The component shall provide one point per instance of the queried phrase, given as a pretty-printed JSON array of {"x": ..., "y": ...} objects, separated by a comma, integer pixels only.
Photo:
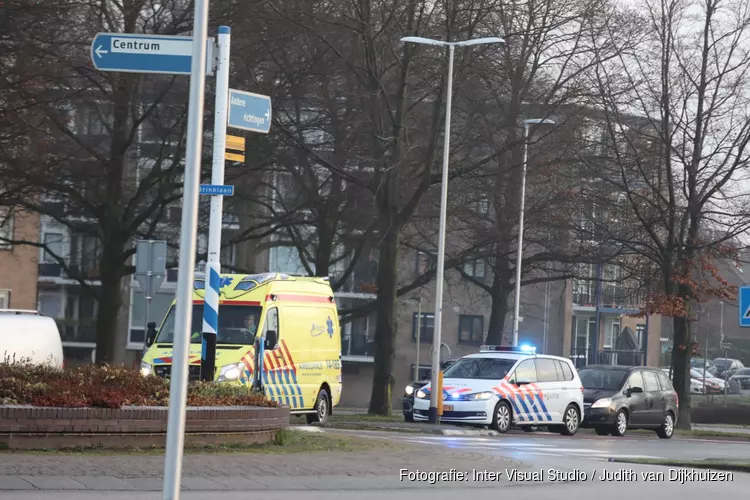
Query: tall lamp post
[
  {"x": 517, "y": 303},
  {"x": 435, "y": 382}
]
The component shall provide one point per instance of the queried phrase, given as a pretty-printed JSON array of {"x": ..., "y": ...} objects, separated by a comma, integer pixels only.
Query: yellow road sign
[
  {"x": 235, "y": 143},
  {"x": 234, "y": 157}
]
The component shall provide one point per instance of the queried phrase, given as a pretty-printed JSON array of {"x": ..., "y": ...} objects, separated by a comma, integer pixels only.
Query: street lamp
[
  {"x": 436, "y": 380},
  {"x": 519, "y": 259}
]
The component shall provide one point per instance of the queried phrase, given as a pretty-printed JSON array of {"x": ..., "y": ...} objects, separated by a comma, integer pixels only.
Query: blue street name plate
[{"x": 216, "y": 190}]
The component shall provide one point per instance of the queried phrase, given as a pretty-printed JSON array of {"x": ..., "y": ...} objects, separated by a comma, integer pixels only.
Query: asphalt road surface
[
  {"x": 569, "y": 468},
  {"x": 591, "y": 447}
]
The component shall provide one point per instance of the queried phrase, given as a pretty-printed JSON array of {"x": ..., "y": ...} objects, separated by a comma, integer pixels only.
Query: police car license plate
[{"x": 447, "y": 407}]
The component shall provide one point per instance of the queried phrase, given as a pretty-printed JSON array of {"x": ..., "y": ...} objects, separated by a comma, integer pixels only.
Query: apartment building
[{"x": 18, "y": 263}]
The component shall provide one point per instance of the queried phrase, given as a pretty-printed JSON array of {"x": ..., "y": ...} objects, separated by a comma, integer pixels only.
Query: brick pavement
[{"x": 371, "y": 462}]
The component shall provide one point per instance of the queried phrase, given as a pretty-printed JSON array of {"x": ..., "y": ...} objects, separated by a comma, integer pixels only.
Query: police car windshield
[
  {"x": 593, "y": 378},
  {"x": 237, "y": 325},
  {"x": 481, "y": 368}
]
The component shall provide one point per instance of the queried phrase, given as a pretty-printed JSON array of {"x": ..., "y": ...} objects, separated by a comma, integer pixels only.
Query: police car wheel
[
  {"x": 321, "y": 409},
  {"x": 502, "y": 418},
  {"x": 571, "y": 421}
]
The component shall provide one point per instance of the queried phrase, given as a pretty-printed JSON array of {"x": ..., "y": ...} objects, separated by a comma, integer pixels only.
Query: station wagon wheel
[
  {"x": 502, "y": 418},
  {"x": 571, "y": 421},
  {"x": 667, "y": 427},
  {"x": 321, "y": 409},
  {"x": 621, "y": 424}
]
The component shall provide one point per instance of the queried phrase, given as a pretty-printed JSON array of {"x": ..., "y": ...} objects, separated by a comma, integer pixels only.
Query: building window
[
  {"x": 53, "y": 247},
  {"x": 476, "y": 268},
  {"x": 426, "y": 327},
  {"x": 6, "y": 230},
  {"x": 583, "y": 286},
  {"x": 612, "y": 331},
  {"x": 640, "y": 331},
  {"x": 425, "y": 262},
  {"x": 470, "y": 329},
  {"x": 160, "y": 303},
  {"x": 4, "y": 299},
  {"x": 482, "y": 206}
]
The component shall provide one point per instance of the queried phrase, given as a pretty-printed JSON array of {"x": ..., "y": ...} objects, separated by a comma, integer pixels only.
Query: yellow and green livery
[{"x": 298, "y": 318}]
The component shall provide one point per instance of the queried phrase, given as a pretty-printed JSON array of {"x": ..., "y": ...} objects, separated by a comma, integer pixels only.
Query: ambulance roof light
[{"x": 525, "y": 348}]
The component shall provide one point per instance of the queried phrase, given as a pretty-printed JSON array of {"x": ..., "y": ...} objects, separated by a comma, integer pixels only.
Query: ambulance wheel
[
  {"x": 322, "y": 406},
  {"x": 503, "y": 417}
]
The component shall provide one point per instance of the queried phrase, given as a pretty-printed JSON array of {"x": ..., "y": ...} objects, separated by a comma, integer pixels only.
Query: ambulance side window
[{"x": 271, "y": 328}]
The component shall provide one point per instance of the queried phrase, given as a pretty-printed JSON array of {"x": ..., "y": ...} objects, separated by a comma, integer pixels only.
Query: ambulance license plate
[{"x": 447, "y": 407}]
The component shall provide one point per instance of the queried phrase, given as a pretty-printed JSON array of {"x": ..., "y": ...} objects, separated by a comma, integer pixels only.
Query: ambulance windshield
[
  {"x": 237, "y": 325},
  {"x": 482, "y": 368}
]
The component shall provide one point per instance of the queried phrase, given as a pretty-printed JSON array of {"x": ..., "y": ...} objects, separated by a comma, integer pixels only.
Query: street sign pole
[
  {"x": 186, "y": 272},
  {"x": 213, "y": 262},
  {"x": 150, "y": 271}
]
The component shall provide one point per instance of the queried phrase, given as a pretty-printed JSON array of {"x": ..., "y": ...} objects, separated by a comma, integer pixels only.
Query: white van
[{"x": 28, "y": 336}]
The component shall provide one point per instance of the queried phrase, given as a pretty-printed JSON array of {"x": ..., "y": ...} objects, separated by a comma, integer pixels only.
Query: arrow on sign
[{"x": 99, "y": 51}]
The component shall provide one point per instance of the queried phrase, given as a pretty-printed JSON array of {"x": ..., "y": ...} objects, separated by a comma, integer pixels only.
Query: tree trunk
[
  {"x": 110, "y": 301},
  {"x": 499, "y": 295},
  {"x": 385, "y": 332},
  {"x": 681, "y": 353}
]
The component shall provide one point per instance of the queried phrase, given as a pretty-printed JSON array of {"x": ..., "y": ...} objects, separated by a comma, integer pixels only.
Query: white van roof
[{"x": 19, "y": 311}]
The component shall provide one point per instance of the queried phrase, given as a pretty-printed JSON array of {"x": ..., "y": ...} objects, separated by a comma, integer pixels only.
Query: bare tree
[
  {"x": 112, "y": 142},
  {"x": 678, "y": 168}
]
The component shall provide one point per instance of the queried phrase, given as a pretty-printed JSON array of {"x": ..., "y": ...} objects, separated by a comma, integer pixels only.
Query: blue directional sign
[
  {"x": 744, "y": 303},
  {"x": 131, "y": 53},
  {"x": 248, "y": 111},
  {"x": 216, "y": 190}
]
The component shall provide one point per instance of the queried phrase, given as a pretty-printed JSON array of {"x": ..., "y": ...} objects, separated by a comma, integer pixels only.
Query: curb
[
  {"x": 410, "y": 430},
  {"x": 696, "y": 464}
]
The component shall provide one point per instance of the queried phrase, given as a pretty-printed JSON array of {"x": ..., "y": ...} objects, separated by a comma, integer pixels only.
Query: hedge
[{"x": 106, "y": 386}]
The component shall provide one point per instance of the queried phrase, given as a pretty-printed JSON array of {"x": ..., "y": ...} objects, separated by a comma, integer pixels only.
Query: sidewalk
[
  {"x": 233, "y": 483},
  {"x": 725, "y": 429},
  {"x": 369, "y": 468}
]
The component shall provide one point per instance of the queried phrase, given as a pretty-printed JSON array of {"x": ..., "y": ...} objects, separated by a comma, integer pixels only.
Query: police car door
[
  {"x": 523, "y": 382},
  {"x": 550, "y": 389}
]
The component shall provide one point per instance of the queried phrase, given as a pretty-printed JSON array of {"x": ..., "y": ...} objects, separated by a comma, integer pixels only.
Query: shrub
[{"x": 109, "y": 387}]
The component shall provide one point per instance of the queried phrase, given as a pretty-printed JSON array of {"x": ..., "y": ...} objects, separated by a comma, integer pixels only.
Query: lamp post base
[{"x": 432, "y": 416}]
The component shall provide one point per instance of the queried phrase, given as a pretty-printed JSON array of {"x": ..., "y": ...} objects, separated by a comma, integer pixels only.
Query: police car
[{"x": 504, "y": 386}]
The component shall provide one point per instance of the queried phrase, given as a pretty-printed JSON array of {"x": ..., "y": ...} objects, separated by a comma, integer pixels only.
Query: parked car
[
  {"x": 726, "y": 367},
  {"x": 740, "y": 381},
  {"x": 696, "y": 383},
  {"x": 713, "y": 384},
  {"x": 700, "y": 363},
  {"x": 619, "y": 398},
  {"x": 407, "y": 401}
]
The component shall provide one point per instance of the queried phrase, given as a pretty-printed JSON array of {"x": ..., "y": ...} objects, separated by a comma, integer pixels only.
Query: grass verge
[
  {"x": 364, "y": 417},
  {"x": 287, "y": 441},
  {"x": 726, "y": 465}
]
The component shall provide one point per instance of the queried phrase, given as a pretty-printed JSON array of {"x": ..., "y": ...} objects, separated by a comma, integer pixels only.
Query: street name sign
[
  {"x": 216, "y": 190},
  {"x": 131, "y": 53},
  {"x": 744, "y": 303},
  {"x": 248, "y": 111}
]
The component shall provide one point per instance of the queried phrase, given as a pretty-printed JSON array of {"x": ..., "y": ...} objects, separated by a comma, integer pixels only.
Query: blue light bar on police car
[{"x": 525, "y": 348}]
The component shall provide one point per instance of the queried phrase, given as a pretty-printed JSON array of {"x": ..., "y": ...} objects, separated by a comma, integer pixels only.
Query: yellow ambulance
[{"x": 298, "y": 318}]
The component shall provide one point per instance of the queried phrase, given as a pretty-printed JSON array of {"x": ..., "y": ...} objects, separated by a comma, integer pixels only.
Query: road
[
  {"x": 528, "y": 446},
  {"x": 569, "y": 468}
]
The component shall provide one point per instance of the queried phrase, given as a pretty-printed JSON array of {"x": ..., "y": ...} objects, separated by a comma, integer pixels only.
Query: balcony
[
  {"x": 71, "y": 271},
  {"x": 626, "y": 357},
  {"x": 584, "y": 298}
]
